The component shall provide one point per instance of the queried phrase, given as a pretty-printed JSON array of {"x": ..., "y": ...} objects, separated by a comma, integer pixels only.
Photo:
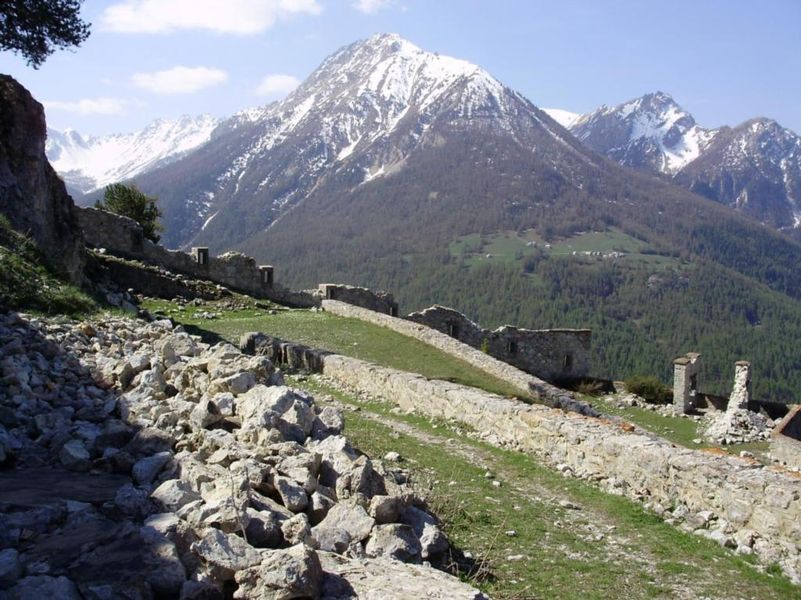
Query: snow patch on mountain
[
  {"x": 90, "y": 163},
  {"x": 564, "y": 117}
]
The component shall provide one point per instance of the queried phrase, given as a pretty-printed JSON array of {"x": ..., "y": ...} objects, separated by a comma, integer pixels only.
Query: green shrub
[
  {"x": 649, "y": 388},
  {"x": 128, "y": 201}
]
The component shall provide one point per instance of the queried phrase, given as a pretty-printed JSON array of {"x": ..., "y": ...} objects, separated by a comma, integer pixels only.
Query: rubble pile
[
  {"x": 737, "y": 426},
  {"x": 138, "y": 462}
]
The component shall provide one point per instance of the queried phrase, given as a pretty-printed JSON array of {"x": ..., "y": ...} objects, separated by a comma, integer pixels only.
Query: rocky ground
[{"x": 138, "y": 462}]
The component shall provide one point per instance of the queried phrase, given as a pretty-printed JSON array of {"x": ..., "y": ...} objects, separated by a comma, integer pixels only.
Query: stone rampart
[
  {"x": 123, "y": 237},
  {"x": 759, "y": 506},
  {"x": 525, "y": 383},
  {"x": 382, "y": 302},
  {"x": 551, "y": 354}
]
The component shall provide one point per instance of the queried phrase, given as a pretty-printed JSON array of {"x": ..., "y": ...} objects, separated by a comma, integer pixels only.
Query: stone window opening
[
  {"x": 511, "y": 347},
  {"x": 393, "y": 311},
  {"x": 266, "y": 275},
  {"x": 567, "y": 363},
  {"x": 453, "y": 330},
  {"x": 202, "y": 256}
]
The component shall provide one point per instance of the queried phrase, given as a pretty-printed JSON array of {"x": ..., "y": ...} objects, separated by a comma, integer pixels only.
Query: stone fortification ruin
[
  {"x": 123, "y": 238},
  {"x": 737, "y": 502},
  {"x": 555, "y": 355},
  {"x": 785, "y": 442}
]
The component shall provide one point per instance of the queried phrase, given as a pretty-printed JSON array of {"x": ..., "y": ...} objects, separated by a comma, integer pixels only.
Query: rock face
[
  {"x": 139, "y": 462},
  {"x": 32, "y": 196}
]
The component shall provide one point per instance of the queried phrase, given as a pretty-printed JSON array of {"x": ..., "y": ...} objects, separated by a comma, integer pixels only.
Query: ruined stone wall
[
  {"x": 123, "y": 237},
  {"x": 785, "y": 442},
  {"x": 382, "y": 302},
  {"x": 526, "y": 384},
  {"x": 761, "y": 505},
  {"x": 550, "y": 354},
  {"x": 450, "y": 322}
]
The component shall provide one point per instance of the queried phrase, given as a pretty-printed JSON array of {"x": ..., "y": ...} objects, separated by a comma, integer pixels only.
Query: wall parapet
[
  {"x": 123, "y": 237},
  {"x": 761, "y": 505},
  {"x": 526, "y": 384}
]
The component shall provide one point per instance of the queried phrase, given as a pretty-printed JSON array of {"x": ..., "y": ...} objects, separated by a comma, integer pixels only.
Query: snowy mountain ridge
[
  {"x": 754, "y": 167},
  {"x": 652, "y": 131},
  {"x": 357, "y": 119},
  {"x": 90, "y": 163}
]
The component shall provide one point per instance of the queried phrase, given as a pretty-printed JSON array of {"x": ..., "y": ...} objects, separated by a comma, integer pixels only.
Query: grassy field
[
  {"x": 350, "y": 337},
  {"x": 680, "y": 431},
  {"x": 596, "y": 546},
  {"x": 515, "y": 248}
]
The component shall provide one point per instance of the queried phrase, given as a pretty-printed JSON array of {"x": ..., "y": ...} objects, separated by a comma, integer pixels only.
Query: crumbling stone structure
[
  {"x": 382, "y": 302},
  {"x": 123, "y": 237},
  {"x": 555, "y": 355},
  {"x": 686, "y": 373},
  {"x": 741, "y": 392},
  {"x": 785, "y": 442}
]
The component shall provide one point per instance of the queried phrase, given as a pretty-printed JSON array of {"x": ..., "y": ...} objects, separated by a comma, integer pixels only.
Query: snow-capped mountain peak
[
  {"x": 652, "y": 131},
  {"x": 364, "y": 115},
  {"x": 90, "y": 163}
]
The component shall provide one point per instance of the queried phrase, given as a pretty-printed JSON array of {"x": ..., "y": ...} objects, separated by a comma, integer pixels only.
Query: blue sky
[{"x": 723, "y": 60}]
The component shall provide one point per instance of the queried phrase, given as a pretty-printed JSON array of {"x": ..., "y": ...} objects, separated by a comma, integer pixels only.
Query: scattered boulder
[{"x": 282, "y": 575}]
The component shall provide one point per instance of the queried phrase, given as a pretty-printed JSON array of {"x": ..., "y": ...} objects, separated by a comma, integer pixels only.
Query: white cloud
[
  {"x": 277, "y": 85},
  {"x": 180, "y": 80},
  {"x": 370, "y": 7},
  {"x": 223, "y": 16},
  {"x": 88, "y": 106}
]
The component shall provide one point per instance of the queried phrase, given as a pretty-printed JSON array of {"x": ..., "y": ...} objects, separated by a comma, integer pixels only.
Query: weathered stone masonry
[
  {"x": 123, "y": 237},
  {"x": 761, "y": 505},
  {"x": 525, "y": 383},
  {"x": 551, "y": 354}
]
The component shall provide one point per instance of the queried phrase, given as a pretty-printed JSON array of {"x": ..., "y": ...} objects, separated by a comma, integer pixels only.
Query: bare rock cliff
[{"x": 32, "y": 196}]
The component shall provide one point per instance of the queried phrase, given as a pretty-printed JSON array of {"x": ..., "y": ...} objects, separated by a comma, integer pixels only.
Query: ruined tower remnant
[
  {"x": 686, "y": 371},
  {"x": 741, "y": 392}
]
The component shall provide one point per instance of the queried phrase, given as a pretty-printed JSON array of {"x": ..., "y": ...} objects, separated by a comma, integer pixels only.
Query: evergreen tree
[
  {"x": 35, "y": 28},
  {"x": 128, "y": 201}
]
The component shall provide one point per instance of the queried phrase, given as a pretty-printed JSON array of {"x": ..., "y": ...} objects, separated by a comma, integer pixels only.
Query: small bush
[{"x": 649, "y": 388}]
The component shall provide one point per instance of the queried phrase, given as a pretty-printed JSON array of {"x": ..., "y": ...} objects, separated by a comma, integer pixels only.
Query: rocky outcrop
[
  {"x": 141, "y": 463},
  {"x": 32, "y": 197}
]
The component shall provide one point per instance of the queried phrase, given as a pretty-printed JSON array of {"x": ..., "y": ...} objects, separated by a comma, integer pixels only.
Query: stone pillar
[
  {"x": 741, "y": 392},
  {"x": 686, "y": 371}
]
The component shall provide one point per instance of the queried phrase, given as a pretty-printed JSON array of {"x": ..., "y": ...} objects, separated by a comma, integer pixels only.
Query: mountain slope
[
  {"x": 754, "y": 167},
  {"x": 357, "y": 119},
  {"x": 88, "y": 164}
]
